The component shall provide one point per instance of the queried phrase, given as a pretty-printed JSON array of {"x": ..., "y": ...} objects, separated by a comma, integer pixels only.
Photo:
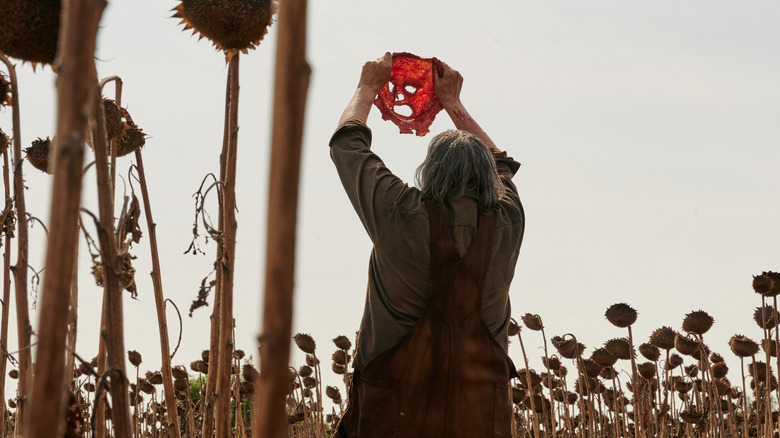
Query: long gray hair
[{"x": 456, "y": 162}]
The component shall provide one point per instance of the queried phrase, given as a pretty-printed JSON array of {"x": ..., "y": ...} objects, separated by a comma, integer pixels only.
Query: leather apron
[{"x": 447, "y": 377}]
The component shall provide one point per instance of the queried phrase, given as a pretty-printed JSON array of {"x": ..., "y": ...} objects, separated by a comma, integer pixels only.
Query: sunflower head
[
  {"x": 231, "y": 25},
  {"x": 5, "y": 91},
  {"x": 30, "y": 30},
  {"x": 4, "y": 142},
  {"x": 38, "y": 154}
]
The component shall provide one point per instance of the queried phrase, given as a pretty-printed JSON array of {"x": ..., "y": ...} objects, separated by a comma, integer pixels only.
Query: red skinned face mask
[{"x": 410, "y": 86}]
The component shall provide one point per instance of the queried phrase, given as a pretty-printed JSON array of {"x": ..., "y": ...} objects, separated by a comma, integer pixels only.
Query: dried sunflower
[
  {"x": 621, "y": 315},
  {"x": 30, "y": 29},
  {"x": 5, "y": 91},
  {"x": 231, "y": 25},
  {"x": 38, "y": 154}
]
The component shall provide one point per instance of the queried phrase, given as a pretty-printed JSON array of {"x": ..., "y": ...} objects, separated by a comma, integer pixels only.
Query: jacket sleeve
[{"x": 370, "y": 185}]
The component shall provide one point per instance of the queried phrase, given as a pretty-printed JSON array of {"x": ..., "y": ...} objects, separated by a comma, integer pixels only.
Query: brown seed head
[
  {"x": 341, "y": 357},
  {"x": 311, "y": 360},
  {"x": 603, "y": 357},
  {"x": 513, "y": 329},
  {"x": 646, "y": 370},
  {"x": 338, "y": 369},
  {"x": 757, "y": 370},
  {"x": 249, "y": 373},
  {"x": 590, "y": 368},
  {"x": 145, "y": 386},
  {"x": 567, "y": 348},
  {"x": 533, "y": 322},
  {"x": 231, "y": 25},
  {"x": 239, "y": 354},
  {"x": 686, "y": 345},
  {"x": 5, "y": 91},
  {"x": 692, "y": 370},
  {"x": 305, "y": 371},
  {"x": 608, "y": 373},
  {"x": 309, "y": 382},
  {"x": 525, "y": 375},
  {"x": 179, "y": 372},
  {"x": 115, "y": 126},
  {"x": 663, "y": 338},
  {"x": 205, "y": 355},
  {"x": 130, "y": 141},
  {"x": 4, "y": 142},
  {"x": 38, "y": 154},
  {"x": 305, "y": 343},
  {"x": 180, "y": 385},
  {"x": 342, "y": 342},
  {"x": 203, "y": 366},
  {"x": 650, "y": 352},
  {"x": 770, "y": 345},
  {"x": 719, "y": 370},
  {"x": 621, "y": 315},
  {"x": 742, "y": 346},
  {"x": 552, "y": 363},
  {"x": 674, "y": 361},
  {"x": 766, "y": 317},
  {"x": 333, "y": 393},
  {"x": 697, "y": 322},
  {"x": 30, "y": 30},
  {"x": 715, "y": 358},
  {"x": 14, "y": 374},
  {"x": 763, "y": 284},
  {"x": 723, "y": 386},
  {"x": 619, "y": 347},
  {"x": 682, "y": 386},
  {"x": 154, "y": 377},
  {"x": 134, "y": 357}
]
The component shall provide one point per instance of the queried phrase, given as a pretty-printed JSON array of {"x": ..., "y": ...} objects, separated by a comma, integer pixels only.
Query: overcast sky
[{"x": 647, "y": 131}]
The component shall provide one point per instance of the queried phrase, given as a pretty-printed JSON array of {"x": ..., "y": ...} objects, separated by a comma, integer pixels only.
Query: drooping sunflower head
[
  {"x": 231, "y": 25},
  {"x": 38, "y": 154},
  {"x": 5, "y": 91},
  {"x": 30, "y": 30},
  {"x": 4, "y": 142}
]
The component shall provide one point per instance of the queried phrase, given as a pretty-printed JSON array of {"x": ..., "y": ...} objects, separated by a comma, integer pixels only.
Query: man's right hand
[{"x": 377, "y": 73}]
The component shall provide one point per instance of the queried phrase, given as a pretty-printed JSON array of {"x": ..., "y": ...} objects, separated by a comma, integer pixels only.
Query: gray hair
[{"x": 456, "y": 162}]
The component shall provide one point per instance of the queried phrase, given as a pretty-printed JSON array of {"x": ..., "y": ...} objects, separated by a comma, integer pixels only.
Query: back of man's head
[{"x": 457, "y": 162}]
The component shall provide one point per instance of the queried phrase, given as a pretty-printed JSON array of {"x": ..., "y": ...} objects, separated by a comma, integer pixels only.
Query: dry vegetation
[{"x": 674, "y": 386}]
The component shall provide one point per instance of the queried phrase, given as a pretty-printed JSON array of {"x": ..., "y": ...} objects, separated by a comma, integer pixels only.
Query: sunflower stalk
[
  {"x": 6, "y": 292},
  {"x": 20, "y": 269},
  {"x": 291, "y": 85},
  {"x": 227, "y": 264}
]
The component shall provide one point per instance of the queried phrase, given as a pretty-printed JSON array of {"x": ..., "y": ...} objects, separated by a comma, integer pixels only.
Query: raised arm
[
  {"x": 374, "y": 76},
  {"x": 447, "y": 83}
]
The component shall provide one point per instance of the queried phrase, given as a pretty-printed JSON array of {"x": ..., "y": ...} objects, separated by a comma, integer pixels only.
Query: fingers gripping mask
[{"x": 408, "y": 99}]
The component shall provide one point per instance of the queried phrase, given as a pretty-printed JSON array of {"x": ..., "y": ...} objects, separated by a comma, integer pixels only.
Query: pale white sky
[{"x": 648, "y": 133}]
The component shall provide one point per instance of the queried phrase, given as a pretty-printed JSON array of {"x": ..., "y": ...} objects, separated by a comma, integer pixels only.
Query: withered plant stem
[
  {"x": 24, "y": 328},
  {"x": 638, "y": 408},
  {"x": 290, "y": 89},
  {"x": 529, "y": 384},
  {"x": 75, "y": 96},
  {"x": 73, "y": 316},
  {"x": 549, "y": 384},
  {"x": 209, "y": 400},
  {"x": 744, "y": 398},
  {"x": 777, "y": 345},
  {"x": 224, "y": 362},
  {"x": 6, "y": 294},
  {"x": 99, "y": 413},
  {"x": 159, "y": 301},
  {"x": 767, "y": 392},
  {"x": 111, "y": 268}
]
